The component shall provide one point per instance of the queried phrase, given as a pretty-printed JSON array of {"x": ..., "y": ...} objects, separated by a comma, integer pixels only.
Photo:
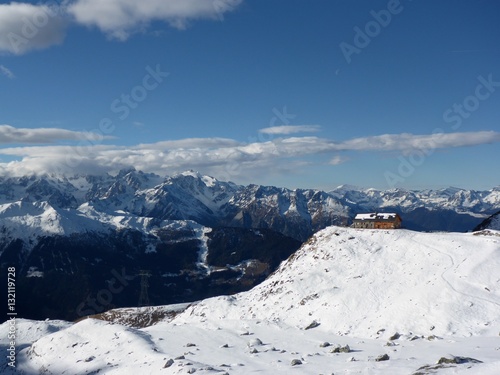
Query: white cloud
[
  {"x": 221, "y": 157},
  {"x": 10, "y": 134},
  {"x": 120, "y": 18},
  {"x": 7, "y": 72},
  {"x": 290, "y": 129},
  {"x": 408, "y": 142},
  {"x": 25, "y": 27},
  {"x": 191, "y": 143},
  {"x": 337, "y": 160}
]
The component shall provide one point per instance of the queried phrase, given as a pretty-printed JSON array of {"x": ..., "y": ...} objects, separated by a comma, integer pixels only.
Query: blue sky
[{"x": 292, "y": 93}]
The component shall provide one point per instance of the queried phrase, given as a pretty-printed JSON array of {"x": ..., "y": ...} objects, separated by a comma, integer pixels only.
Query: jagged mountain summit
[
  {"x": 138, "y": 200},
  {"x": 348, "y": 301},
  {"x": 186, "y": 196}
]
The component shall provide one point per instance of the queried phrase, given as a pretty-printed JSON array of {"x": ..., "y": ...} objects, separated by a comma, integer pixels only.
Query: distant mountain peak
[
  {"x": 346, "y": 187},
  {"x": 190, "y": 172},
  {"x": 126, "y": 171}
]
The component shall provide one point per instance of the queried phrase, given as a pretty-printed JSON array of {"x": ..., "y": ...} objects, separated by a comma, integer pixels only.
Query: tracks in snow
[{"x": 451, "y": 267}]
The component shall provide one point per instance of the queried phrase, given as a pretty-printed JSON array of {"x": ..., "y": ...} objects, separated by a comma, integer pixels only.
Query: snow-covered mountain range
[
  {"x": 350, "y": 301},
  {"x": 198, "y": 236},
  {"x": 135, "y": 200},
  {"x": 33, "y": 206},
  {"x": 455, "y": 199}
]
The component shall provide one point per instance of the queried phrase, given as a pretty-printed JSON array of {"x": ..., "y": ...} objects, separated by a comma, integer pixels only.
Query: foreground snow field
[{"x": 415, "y": 297}]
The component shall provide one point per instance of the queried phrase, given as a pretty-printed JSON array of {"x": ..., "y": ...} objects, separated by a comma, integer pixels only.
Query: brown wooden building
[{"x": 377, "y": 221}]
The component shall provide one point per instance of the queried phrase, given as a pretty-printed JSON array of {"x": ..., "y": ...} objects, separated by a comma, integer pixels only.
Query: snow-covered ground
[{"x": 415, "y": 297}]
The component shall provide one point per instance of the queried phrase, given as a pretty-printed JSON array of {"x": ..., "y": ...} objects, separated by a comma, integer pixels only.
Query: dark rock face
[
  {"x": 67, "y": 277},
  {"x": 444, "y": 363},
  {"x": 493, "y": 222},
  {"x": 457, "y": 360},
  {"x": 395, "y": 336},
  {"x": 341, "y": 349},
  {"x": 382, "y": 357},
  {"x": 295, "y": 362},
  {"x": 312, "y": 325},
  {"x": 235, "y": 245}
]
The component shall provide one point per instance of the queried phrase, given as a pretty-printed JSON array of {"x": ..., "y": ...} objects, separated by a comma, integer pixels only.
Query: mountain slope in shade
[
  {"x": 78, "y": 274},
  {"x": 426, "y": 303},
  {"x": 493, "y": 222}
]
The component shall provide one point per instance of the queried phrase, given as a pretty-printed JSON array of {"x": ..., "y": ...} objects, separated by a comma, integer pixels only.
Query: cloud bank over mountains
[
  {"x": 61, "y": 151},
  {"x": 10, "y": 134},
  {"x": 25, "y": 27},
  {"x": 290, "y": 129}
]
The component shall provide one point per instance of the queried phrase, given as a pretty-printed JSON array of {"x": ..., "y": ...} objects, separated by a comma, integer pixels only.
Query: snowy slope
[
  {"x": 240, "y": 347},
  {"x": 29, "y": 221},
  {"x": 440, "y": 292},
  {"x": 357, "y": 282},
  {"x": 29, "y": 331}
]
